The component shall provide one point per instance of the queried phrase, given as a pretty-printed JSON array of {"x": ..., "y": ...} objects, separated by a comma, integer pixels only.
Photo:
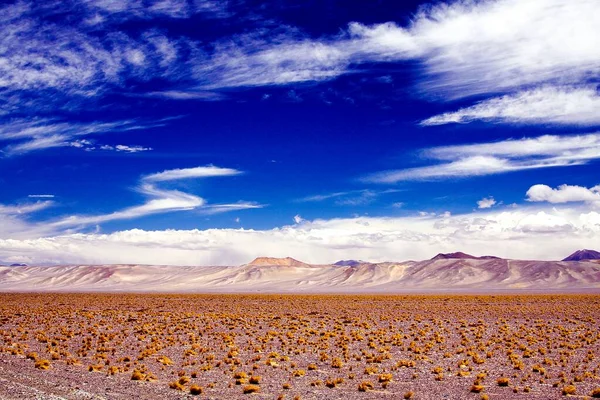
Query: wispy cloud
[
  {"x": 350, "y": 198},
  {"x": 546, "y": 105},
  {"x": 460, "y": 47},
  {"x": 159, "y": 201},
  {"x": 41, "y": 196},
  {"x": 189, "y": 94},
  {"x": 465, "y": 47},
  {"x": 162, "y": 200},
  {"x": 14, "y": 220},
  {"x": 462, "y": 161},
  {"x": 126, "y": 149},
  {"x": 187, "y": 173},
  {"x": 27, "y": 135},
  {"x": 25, "y": 208}
]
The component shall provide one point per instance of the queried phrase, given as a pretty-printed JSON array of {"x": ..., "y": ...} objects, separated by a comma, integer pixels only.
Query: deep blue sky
[{"x": 343, "y": 100}]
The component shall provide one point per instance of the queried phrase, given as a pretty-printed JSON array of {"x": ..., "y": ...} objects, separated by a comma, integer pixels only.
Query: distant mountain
[
  {"x": 18, "y": 265},
  {"x": 452, "y": 256},
  {"x": 462, "y": 256},
  {"x": 582, "y": 255},
  {"x": 349, "y": 263},
  {"x": 271, "y": 261}
]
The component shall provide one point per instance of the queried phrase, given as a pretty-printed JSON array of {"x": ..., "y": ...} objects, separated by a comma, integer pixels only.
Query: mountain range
[{"x": 452, "y": 272}]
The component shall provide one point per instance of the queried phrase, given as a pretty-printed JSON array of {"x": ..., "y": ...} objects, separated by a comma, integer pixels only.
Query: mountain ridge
[{"x": 287, "y": 275}]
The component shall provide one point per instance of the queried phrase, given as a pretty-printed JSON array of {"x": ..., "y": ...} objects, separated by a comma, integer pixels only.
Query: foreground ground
[{"x": 120, "y": 346}]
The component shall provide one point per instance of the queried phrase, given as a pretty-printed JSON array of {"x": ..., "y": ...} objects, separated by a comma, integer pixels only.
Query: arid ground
[{"x": 122, "y": 346}]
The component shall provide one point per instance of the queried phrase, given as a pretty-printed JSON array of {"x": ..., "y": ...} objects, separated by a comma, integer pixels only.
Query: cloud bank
[{"x": 528, "y": 233}]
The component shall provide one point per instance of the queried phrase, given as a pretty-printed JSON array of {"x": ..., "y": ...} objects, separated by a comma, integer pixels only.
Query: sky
[{"x": 200, "y": 132}]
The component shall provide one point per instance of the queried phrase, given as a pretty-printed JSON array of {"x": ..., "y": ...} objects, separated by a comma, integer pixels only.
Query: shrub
[
  {"x": 503, "y": 381},
  {"x": 183, "y": 380},
  {"x": 137, "y": 375},
  {"x": 196, "y": 390},
  {"x": 477, "y": 388},
  {"x": 176, "y": 385},
  {"x": 569, "y": 389},
  {"x": 240, "y": 375},
  {"x": 251, "y": 389},
  {"x": 95, "y": 368},
  {"x": 42, "y": 364},
  {"x": 365, "y": 386}
]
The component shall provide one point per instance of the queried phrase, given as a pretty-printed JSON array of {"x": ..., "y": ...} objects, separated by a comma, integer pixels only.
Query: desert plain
[{"x": 360, "y": 346}]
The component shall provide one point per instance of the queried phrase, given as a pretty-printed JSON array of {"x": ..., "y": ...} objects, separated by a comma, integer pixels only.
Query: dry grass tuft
[
  {"x": 196, "y": 390},
  {"x": 137, "y": 375},
  {"x": 568, "y": 390},
  {"x": 477, "y": 388},
  {"x": 251, "y": 389},
  {"x": 503, "y": 381},
  {"x": 42, "y": 364}
]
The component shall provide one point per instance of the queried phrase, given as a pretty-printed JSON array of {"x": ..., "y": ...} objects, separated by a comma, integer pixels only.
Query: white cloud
[
  {"x": 466, "y": 48},
  {"x": 462, "y": 47},
  {"x": 41, "y": 196},
  {"x": 25, "y": 208},
  {"x": 187, "y": 173},
  {"x": 158, "y": 200},
  {"x": 562, "y": 147},
  {"x": 564, "y": 194},
  {"x": 486, "y": 202},
  {"x": 548, "y": 104},
  {"x": 461, "y": 161},
  {"x": 14, "y": 222},
  {"x": 351, "y": 197},
  {"x": 221, "y": 208},
  {"x": 298, "y": 219},
  {"x": 26, "y": 135},
  {"x": 131, "y": 149},
  {"x": 527, "y": 233},
  {"x": 187, "y": 95}
]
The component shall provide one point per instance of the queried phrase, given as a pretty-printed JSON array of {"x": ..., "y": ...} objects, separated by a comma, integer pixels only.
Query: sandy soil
[{"x": 437, "y": 347}]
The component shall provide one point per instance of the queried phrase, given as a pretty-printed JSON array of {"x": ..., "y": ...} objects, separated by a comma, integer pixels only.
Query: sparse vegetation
[{"x": 524, "y": 344}]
